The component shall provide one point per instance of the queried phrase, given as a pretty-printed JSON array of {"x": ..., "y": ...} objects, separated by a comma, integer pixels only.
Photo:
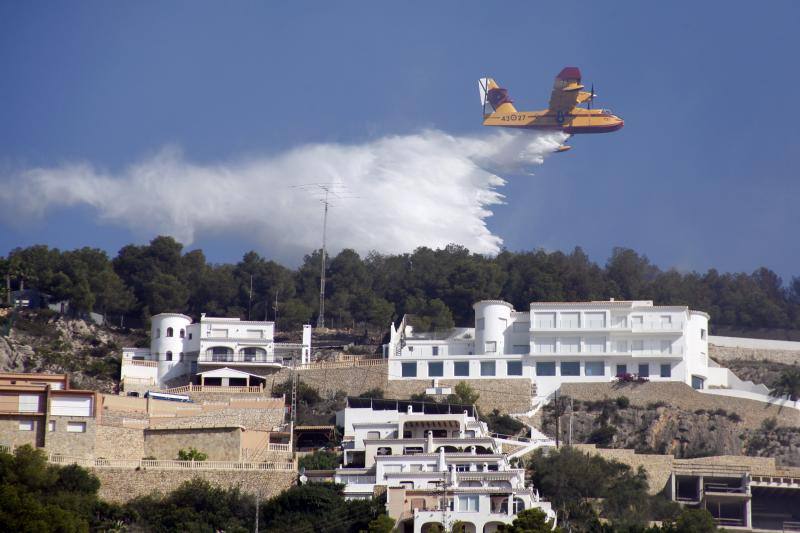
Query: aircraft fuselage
[{"x": 579, "y": 120}]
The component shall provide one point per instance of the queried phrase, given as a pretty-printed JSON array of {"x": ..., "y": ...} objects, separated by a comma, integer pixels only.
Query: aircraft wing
[{"x": 566, "y": 91}]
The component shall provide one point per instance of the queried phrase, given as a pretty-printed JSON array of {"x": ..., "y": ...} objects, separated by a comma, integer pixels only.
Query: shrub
[
  {"x": 376, "y": 393},
  {"x": 734, "y": 417},
  {"x": 319, "y": 460},
  {"x": 192, "y": 454},
  {"x": 502, "y": 423},
  {"x": 623, "y": 402},
  {"x": 769, "y": 424},
  {"x": 656, "y": 405},
  {"x": 602, "y": 436}
]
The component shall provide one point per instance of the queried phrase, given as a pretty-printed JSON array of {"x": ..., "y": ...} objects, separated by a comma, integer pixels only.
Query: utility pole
[
  {"x": 556, "y": 411},
  {"x": 250, "y": 298},
  {"x": 258, "y": 498},
  {"x": 321, "y": 318}
]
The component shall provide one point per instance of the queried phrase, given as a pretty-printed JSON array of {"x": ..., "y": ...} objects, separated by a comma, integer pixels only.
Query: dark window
[
  {"x": 461, "y": 368},
  {"x": 644, "y": 369},
  {"x": 407, "y": 434},
  {"x": 169, "y": 332},
  {"x": 183, "y": 333},
  {"x": 666, "y": 371},
  {"x": 547, "y": 368},
  {"x": 190, "y": 336},
  {"x": 570, "y": 368},
  {"x": 697, "y": 382},
  {"x": 487, "y": 368},
  {"x": 435, "y": 350},
  {"x": 409, "y": 370},
  {"x": 169, "y": 356},
  {"x": 439, "y": 433},
  {"x": 622, "y": 369},
  {"x": 513, "y": 368},
  {"x": 435, "y": 370}
]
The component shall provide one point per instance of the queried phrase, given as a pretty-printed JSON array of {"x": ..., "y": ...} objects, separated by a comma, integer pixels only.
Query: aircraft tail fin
[{"x": 495, "y": 96}]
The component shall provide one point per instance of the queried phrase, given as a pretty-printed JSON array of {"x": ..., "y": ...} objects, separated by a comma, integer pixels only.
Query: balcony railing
[
  {"x": 238, "y": 358},
  {"x": 139, "y": 362},
  {"x": 596, "y": 326}
]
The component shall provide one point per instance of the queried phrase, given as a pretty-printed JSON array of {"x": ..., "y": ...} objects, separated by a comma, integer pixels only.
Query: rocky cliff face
[
  {"x": 42, "y": 341},
  {"x": 663, "y": 428}
]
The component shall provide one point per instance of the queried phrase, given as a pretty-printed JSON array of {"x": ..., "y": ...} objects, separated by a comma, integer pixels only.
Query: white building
[
  {"x": 560, "y": 342},
  {"x": 438, "y": 467},
  {"x": 181, "y": 348}
]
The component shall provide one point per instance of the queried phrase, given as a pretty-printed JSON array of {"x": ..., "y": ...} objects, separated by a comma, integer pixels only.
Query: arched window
[
  {"x": 220, "y": 353},
  {"x": 253, "y": 354},
  {"x": 183, "y": 333},
  {"x": 169, "y": 332},
  {"x": 169, "y": 356},
  {"x": 519, "y": 505},
  {"x": 158, "y": 332}
]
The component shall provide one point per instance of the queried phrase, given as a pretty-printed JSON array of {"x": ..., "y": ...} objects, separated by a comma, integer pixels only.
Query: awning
[{"x": 227, "y": 373}]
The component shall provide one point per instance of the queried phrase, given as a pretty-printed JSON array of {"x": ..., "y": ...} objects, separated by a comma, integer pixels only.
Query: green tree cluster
[
  {"x": 436, "y": 287},
  {"x": 574, "y": 481}
]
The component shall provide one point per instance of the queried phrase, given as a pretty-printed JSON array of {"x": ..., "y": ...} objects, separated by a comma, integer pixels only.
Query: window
[
  {"x": 702, "y": 334},
  {"x": 666, "y": 370},
  {"x": 26, "y": 425},
  {"x": 190, "y": 336},
  {"x": 546, "y": 368},
  {"x": 666, "y": 346},
  {"x": 622, "y": 369},
  {"x": 461, "y": 368},
  {"x": 521, "y": 327},
  {"x": 621, "y": 346},
  {"x": 570, "y": 320},
  {"x": 407, "y": 434},
  {"x": 697, "y": 382},
  {"x": 168, "y": 355},
  {"x": 545, "y": 344},
  {"x": 254, "y": 354},
  {"x": 169, "y": 332},
  {"x": 28, "y": 403},
  {"x": 637, "y": 346},
  {"x": 487, "y": 368},
  {"x": 51, "y": 425},
  {"x": 637, "y": 320},
  {"x": 491, "y": 347},
  {"x": 521, "y": 349},
  {"x": 409, "y": 370},
  {"x": 570, "y": 368},
  {"x": 545, "y": 320},
  {"x": 373, "y": 434},
  {"x": 513, "y": 368},
  {"x": 666, "y": 321},
  {"x": 158, "y": 332},
  {"x": 183, "y": 333},
  {"x": 519, "y": 505},
  {"x": 220, "y": 353},
  {"x": 384, "y": 450},
  {"x": 435, "y": 370},
  {"x": 468, "y": 503},
  {"x": 596, "y": 344},
  {"x": 435, "y": 350},
  {"x": 219, "y": 333},
  {"x": 644, "y": 370},
  {"x": 595, "y": 368},
  {"x": 480, "y": 324},
  {"x": 569, "y": 345},
  {"x": 76, "y": 427},
  {"x": 595, "y": 320}
]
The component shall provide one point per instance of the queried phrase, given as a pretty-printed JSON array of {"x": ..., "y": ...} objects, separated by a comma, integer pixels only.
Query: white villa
[
  {"x": 225, "y": 351},
  {"x": 438, "y": 463},
  {"x": 555, "y": 343}
]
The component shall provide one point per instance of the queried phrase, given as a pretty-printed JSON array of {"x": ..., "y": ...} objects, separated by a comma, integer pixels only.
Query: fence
[
  {"x": 342, "y": 364},
  {"x": 158, "y": 464},
  {"x": 139, "y": 362},
  {"x": 211, "y": 388}
]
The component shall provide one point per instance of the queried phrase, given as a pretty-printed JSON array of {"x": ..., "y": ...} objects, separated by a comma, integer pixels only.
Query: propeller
[{"x": 591, "y": 98}]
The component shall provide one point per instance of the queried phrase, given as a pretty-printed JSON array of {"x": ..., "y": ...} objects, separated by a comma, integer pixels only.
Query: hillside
[
  {"x": 671, "y": 418},
  {"x": 43, "y": 341}
]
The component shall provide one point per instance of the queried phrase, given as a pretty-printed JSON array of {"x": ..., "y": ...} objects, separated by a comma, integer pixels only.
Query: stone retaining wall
[
  {"x": 682, "y": 396},
  {"x": 725, "y": 353},
  {"x": 119, "y": 443},
  {"x": 658, "y": 467},
  {"x": 123, "y": 484},
  {"x": 507, "y": 395}
]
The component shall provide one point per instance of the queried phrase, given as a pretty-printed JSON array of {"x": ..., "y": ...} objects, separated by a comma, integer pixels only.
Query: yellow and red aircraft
[{"x": 562, "y": 114}]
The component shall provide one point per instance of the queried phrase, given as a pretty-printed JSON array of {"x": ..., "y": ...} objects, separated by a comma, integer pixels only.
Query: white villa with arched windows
[{"x": 222, "y": 351}]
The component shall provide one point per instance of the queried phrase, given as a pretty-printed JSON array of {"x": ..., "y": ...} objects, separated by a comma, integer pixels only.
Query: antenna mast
[{"x": 321, "y": 318}]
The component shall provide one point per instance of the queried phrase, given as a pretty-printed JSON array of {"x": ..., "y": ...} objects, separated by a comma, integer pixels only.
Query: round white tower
[
  {"x": 168, "y": 335},
  {"x": 492, "y": 319}
]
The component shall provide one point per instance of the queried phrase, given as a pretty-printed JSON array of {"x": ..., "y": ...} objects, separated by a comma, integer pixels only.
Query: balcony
[
  {"x": 645, "y": 327},
  {"x": 239, "y": 358}
]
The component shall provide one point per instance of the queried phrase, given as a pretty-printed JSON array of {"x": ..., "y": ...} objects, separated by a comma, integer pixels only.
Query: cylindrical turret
[
  {"x": 168, "y": 334},
  {"x": 492, "y": 319}
]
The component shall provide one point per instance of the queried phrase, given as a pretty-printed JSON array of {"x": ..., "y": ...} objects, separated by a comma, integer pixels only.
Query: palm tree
[{"x": 787, "y": 384}]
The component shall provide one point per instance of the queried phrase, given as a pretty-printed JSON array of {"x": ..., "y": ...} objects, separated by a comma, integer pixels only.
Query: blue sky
[{"x": 703, "y": 174}]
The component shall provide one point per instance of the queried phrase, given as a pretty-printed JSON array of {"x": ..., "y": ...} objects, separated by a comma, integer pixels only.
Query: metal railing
[
  {"x": 211, "y": 388},
  {"x": 237, "y": 358}
]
